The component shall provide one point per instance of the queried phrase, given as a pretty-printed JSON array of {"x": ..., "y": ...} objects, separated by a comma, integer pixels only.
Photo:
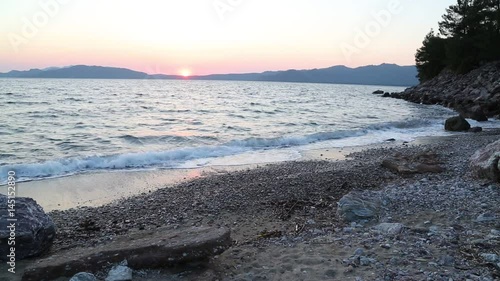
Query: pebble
[
  {"x": 486, "y": 217},
  {"x": 119, "y": 273},
  {"x": 365, "y": 261},
  {"x": 389, "y": 228},
  {"x": 348, "y": 229},
  {"x": 493, "y": 258},
  {"x": 359, "y": 252},
  {"x": 83, "y": 276},
  {"x": 446, "y": 260}
]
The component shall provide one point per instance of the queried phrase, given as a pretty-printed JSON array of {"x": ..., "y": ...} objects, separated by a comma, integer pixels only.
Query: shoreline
[
  {"x": 298, "y": 200},
  {"x": 95, "y": 189}
]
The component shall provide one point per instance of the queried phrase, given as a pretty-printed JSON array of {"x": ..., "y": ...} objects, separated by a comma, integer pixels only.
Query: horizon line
[{"x": 198, "y": 75}]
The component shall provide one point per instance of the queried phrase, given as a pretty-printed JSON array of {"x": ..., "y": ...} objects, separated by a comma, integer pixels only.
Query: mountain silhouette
[{"x": 384, "y": 74}]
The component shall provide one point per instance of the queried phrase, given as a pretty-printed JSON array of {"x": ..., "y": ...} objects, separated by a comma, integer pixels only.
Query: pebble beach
[{"x": 284, "y": 223}]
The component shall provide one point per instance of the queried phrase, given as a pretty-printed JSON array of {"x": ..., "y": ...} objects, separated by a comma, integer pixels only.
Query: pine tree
[
  {"x": 469, "y": 36},
  {"x": 430, "y": 58}
]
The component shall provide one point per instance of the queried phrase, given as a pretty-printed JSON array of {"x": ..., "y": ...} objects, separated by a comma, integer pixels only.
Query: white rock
[
  {"x": 490, "y": 257},
  {"x": 389, "y": 228},
  {"x": 119, "y": 273}
]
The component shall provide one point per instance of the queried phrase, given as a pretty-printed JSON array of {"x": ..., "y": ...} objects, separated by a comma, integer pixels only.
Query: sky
[{"x": 213, "y": 36}]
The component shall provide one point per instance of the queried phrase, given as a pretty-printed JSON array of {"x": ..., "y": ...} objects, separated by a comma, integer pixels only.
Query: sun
[{"x": 185, "y": 72}]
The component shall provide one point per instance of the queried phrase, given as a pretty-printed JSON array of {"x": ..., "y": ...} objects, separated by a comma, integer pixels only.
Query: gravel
[{"x": 451, "y": 219}]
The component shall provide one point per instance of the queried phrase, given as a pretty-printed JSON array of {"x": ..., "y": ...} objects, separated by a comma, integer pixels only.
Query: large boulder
[
  {"x": 33, "y": 229},
  {"x": 358, "y": 206},
  {"x": 456, "y": 124},
  {"x": 156, "y": 248},
  {"x": 486, "y": 162}
]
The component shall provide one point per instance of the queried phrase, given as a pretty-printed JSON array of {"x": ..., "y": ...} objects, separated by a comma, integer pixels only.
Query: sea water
[{"x": 58, "y": 127}]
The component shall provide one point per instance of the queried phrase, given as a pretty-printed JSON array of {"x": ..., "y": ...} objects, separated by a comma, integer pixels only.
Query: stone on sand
[
  {"x": 456, "y": 124},
  {"x": 83, "y": 276},
  {"x": 143, "y": 250},
  {"x": 426, "y": 162},
  {"x": 389, "y": 228},
  {"x": 119, "y": 273},
  {"x": 359, "y": 206}
]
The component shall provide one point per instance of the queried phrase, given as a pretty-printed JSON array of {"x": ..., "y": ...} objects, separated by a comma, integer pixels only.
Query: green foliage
[
  {"x": 429, "y": 57},
  {"x": 469, "y": 36}
]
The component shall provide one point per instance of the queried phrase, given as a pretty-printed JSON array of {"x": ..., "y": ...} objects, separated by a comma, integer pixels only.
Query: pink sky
[{"x": 213, "y": 36}]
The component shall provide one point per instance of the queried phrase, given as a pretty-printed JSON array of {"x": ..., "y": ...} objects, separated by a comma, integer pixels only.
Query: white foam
[{"x": 237, "y": 152}]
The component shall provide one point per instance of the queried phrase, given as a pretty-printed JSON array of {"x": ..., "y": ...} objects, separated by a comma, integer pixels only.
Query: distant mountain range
[{"x": 384, "y": 74}]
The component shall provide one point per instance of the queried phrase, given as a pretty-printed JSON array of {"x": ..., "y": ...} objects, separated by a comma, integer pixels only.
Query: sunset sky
[{"x": 213, "y": 36}]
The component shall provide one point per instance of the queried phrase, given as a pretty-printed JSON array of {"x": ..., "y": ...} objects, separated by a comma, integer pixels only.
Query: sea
[{"x": 61, "y": 127}]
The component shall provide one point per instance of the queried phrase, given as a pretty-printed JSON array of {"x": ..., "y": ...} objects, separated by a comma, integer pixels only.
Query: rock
[
  {"x": 446, "y": 260},
  {"x": 378, "y": 92},
  {"x": 493, "y": 258},
  {"x": 456, "y": 124},
  {"x": 358, "y": 206},
  {"x": 359, "y": 252},
  {"x": 422, "y": 163},
  {"x": 477, "y": 113},
  {"x": 386, "y": 246},
  {"x": 386, "y": 95},
  {"x": 156, "y": 248},
  {"x": 389, "y": 228},
  {"x": 475, "y": 94},
  {"x": 34, "y": 229},
  {"x": 119, "y": 273},
  {"x": 83, "y": 276},
  {"x": 487, "y": 217},
  {"x": 485, "y": 163},
  {"x": 365, "y": 261},
  {"x": 475, "y": 130}
]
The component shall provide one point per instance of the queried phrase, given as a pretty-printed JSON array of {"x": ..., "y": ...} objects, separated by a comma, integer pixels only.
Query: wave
[
  {"x": 175, "y": 157},
  {"x": 163, "y": 139}
]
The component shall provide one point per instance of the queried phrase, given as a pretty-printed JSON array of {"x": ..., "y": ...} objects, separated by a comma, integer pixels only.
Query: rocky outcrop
[
  {"x": 33, "y": 229},
  {"x": 475, "y": 95},
  {"x": 485, "y": 162},
  {"x": 142, "y": 250},
  {"x": 457, "y": 124}
]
